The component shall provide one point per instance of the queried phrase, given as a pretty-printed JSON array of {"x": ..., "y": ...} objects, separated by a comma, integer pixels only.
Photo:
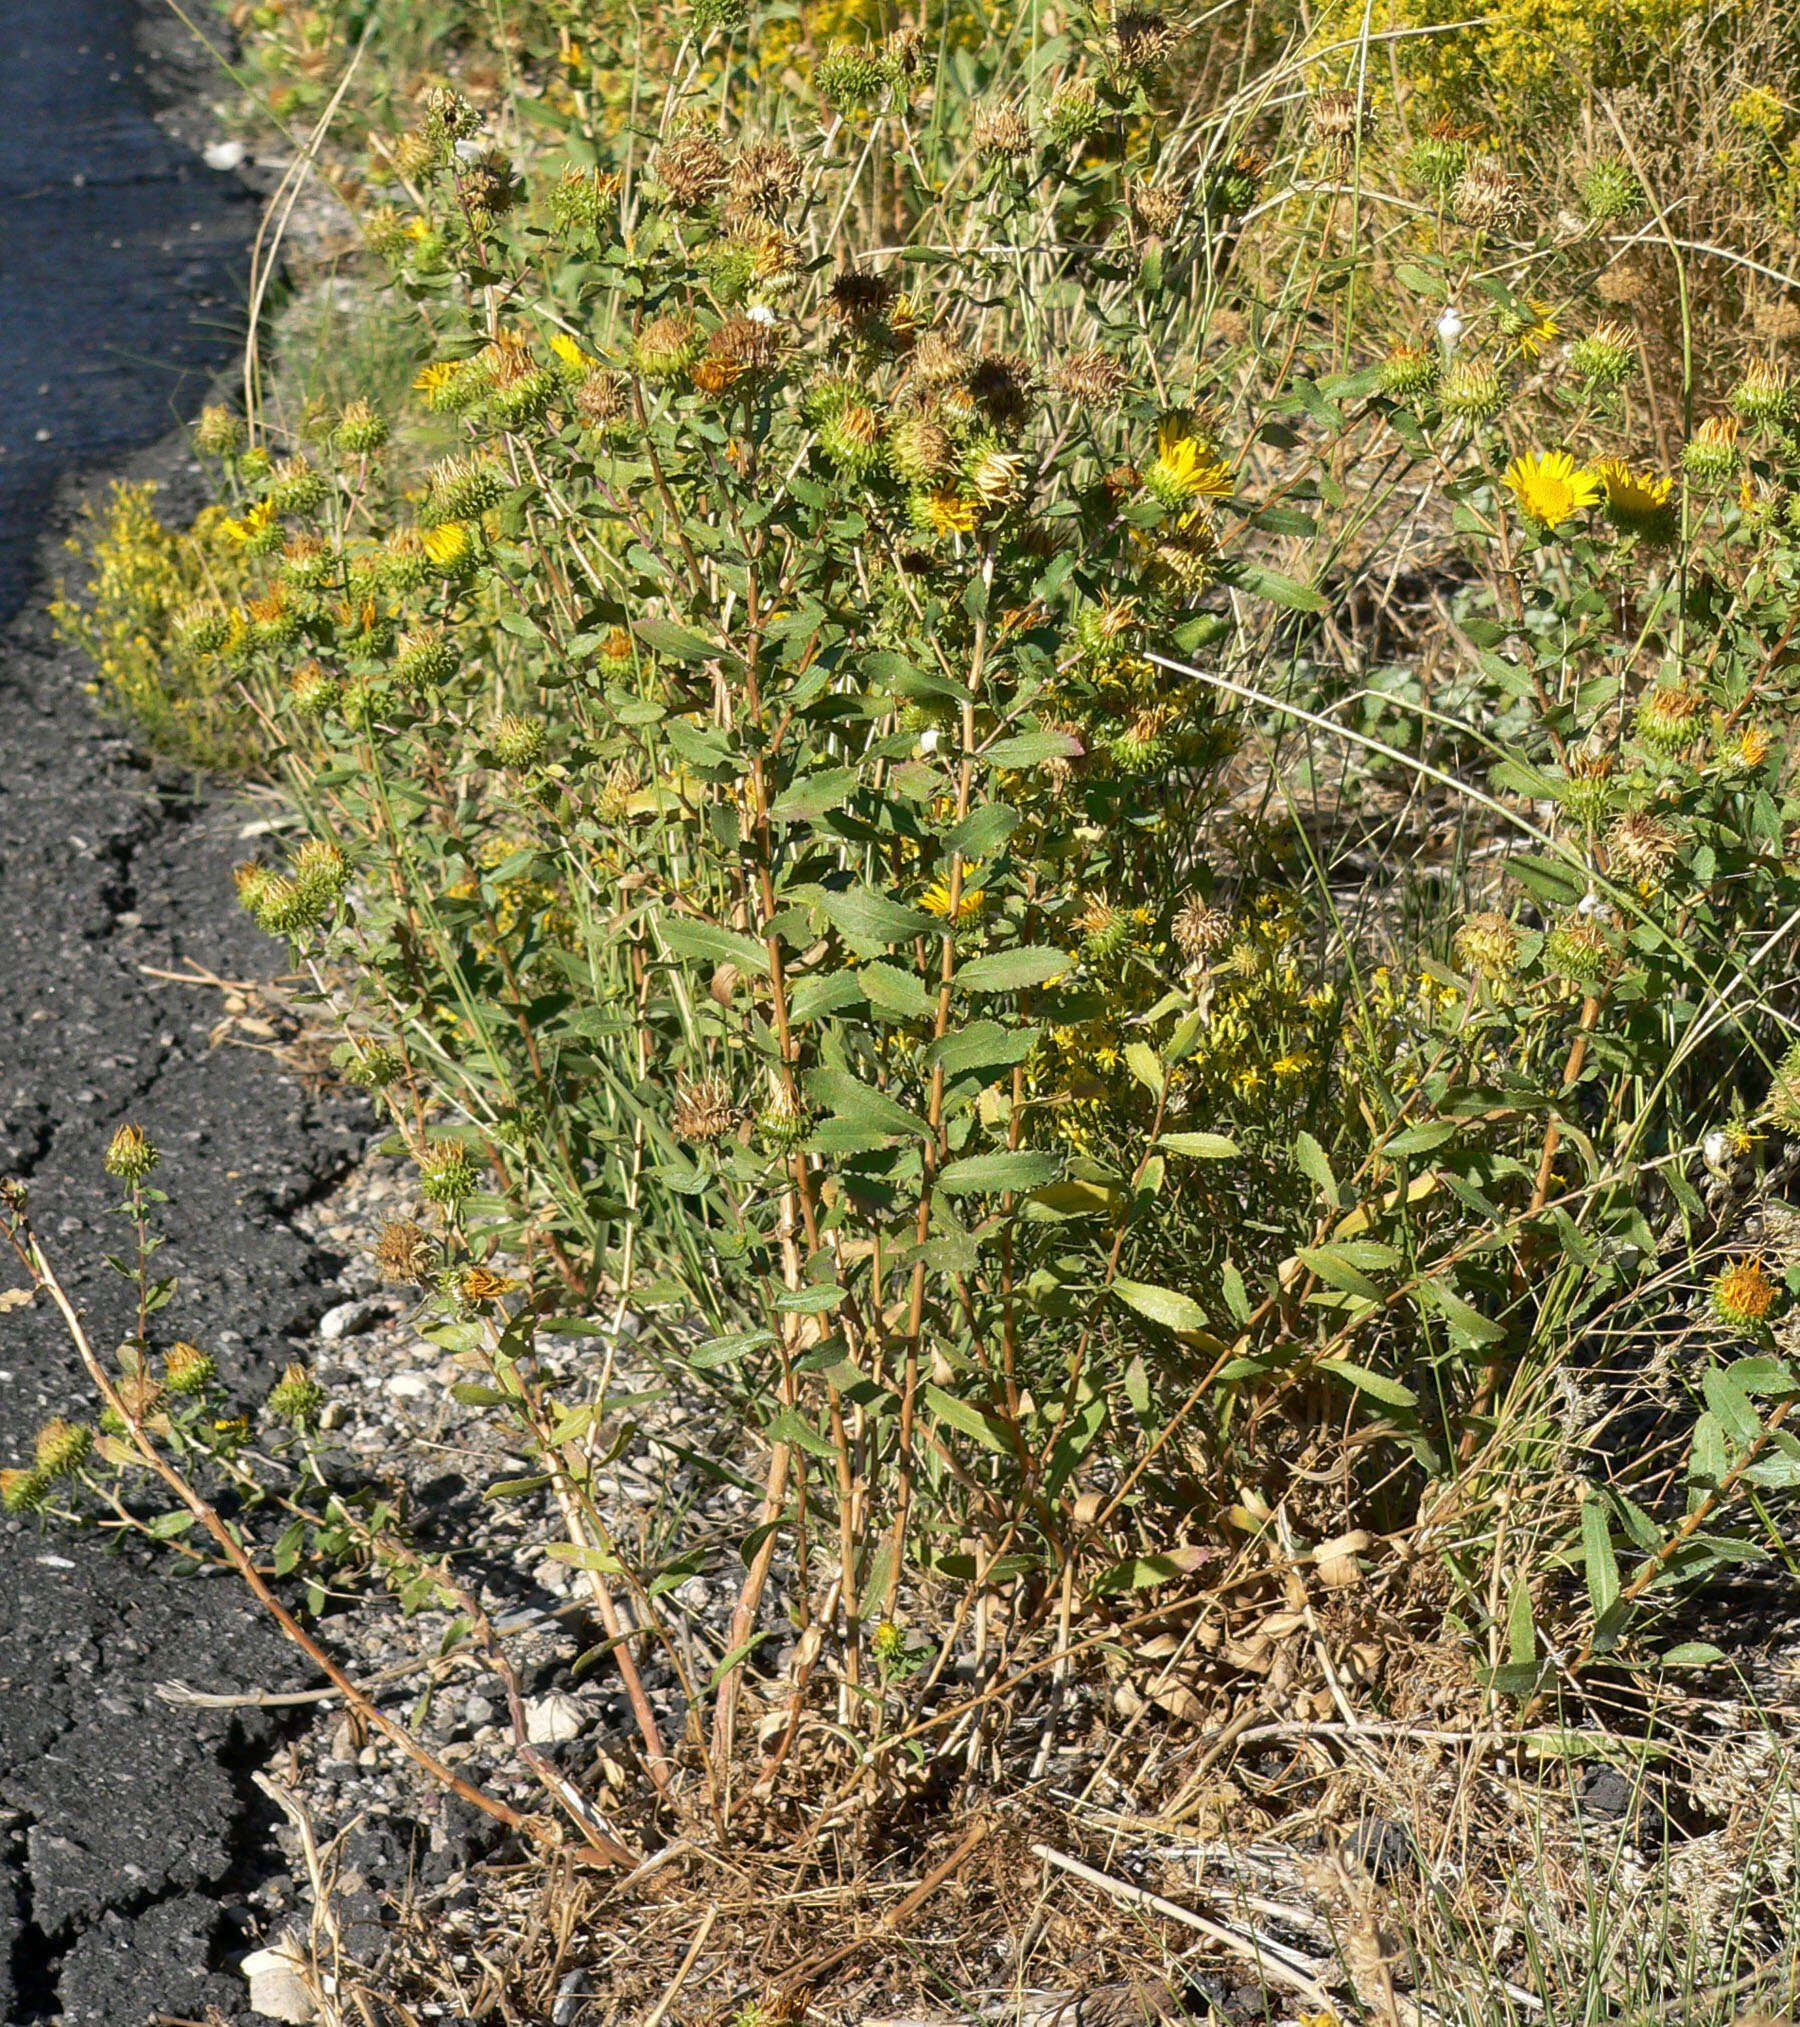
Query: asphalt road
[{"x": 130, "y": 1833}]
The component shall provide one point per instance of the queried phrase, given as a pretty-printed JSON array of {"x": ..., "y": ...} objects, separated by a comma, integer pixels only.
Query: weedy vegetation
[{"x": 1068, "y": 739}]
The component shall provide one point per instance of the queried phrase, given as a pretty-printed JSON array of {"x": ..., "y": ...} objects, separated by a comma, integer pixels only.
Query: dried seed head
[
  {"x": 1641, "y": 847},
  {"x": 1001, "y": 133},
  {"x": 403, "y": 1253},
  {"x": 1157, "y": 207},
  {"x": 476, "y": 1285},
  {"x": 939, "y": 362},
  {"x": 1779, "y": 323},
  {"x": 704, "y": 1111},
  {"x": 763, "y": 183},
  {"x": 219, "y": 432},
  {"x": 1094, "y": 378},
  {"x": 859, "y": 297},
  {"x": 1200, "y": 931},
  {"x": 996, "y": 477},
  {"x": 1138, "y": 39},
  {"x": 1488, "y": 198},
  {"x": 1339, "y": 118},
  {"x": 920, "y": 450},
  {"x": 601, "y": 399},
  {"x": 1001, "y": 386},
  {"x": 688, "y": 168},
  {"x": 667, "y": 346}
]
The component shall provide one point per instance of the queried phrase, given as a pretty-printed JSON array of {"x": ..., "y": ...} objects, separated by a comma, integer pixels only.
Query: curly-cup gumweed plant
[{"x": 822, "y": 834}]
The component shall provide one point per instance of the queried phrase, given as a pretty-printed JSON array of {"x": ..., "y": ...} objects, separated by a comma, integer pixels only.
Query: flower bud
[
  {"x": 188, "y": 1370},
  {"x": 446, "y": 1173},
  {"x": 296, "y": 1397},
  {"x": 62, "y": 1447},
  {"x": 130, "y": 1156}
]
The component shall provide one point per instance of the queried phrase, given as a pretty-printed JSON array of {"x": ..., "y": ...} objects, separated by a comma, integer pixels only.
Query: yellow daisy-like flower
[
  {"x": 571, "y": 354},
  {"x": 431, "y": 380},
  {"x": 969, "y": 903},
  {"x": 949, "y": 513},
  {"x": 1634, "y": 502},
  {"x": 1187, "y": 466},
  {"x": 258, "y": 521},
  {"x": 1550, "y": 488},
  {"x": 1752, "y": 747},
  {"x": 1539, "y": 328},
  {"x": 447, "y": 544}
]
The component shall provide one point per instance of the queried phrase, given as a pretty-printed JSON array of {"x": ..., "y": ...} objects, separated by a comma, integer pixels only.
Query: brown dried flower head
[
  {"x": 601, "y": 399},
  {"x": 1157, "y": 207},
  {"x": 1137, "y": 39},
  {"x": 403, "y": 1253},
  {"x": 1002, "y": 133},
  {"x": 704, "y": 1111},
  {"x": 763, "y": 183},
  {"x": 1779, "y": 323},
  {"x": 1094, "y": 378},
  {"x": 1339, "y": 118},
  {"x": 690, "y": 167},
  {"x": 1488, "y": 198},
  {"x": 859, "y": 297},
  {"x": 1200, "y": 931},
  {"x": 939, "y": 361},
  {"x": 1641, "y": 847},
  {"x": 1001, "y": 386}
]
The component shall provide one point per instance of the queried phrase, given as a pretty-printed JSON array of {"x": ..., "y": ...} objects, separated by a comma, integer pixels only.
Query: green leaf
[
  {"x": 581, "y": 1557},
  {"x": 980, "y": 1045},
  {"x": 1202, "y": 1146},
  {"x": 1161, "y": 1305},
  {"x": 1237, "y": 1296},
  {"x": 1389, "y": 1392},
  {"x": 1343, "y": 1265},
  {"x": 1140, "y": 1059},
  {"x": 1026, "y": 1168},
  {"x": 1013, "y": 970},
  {"x": 973, "y": 1422},
  {"x": 166, "y": 1526},
  {"x": 1726, "y": 1397},
  {"x": 846, "y": 1097},
  {"x": 1597, "y": 1553},
  {"x": 1309, "y": 1158},
  {"x": 829, "y": 789},
  {"x": 664, "y": 637},
  {"x": 1270, "y": 584},
  {"x": 1521, "y": 1631},
  {"x": 710, "y": 944},
  {"x": 812, "y": 1300},
  {"x": 869, "y": 922},
  {"x": 1137, "y": 1389},
  {"x": 1422, "y": 1139},
  {"x": 1477, "y": 1328},
  {"x": 896, "y": 991},
  {"x": 727, "y": 1350},
  {"x": 1693, "y": 1654},
  {"x": 1031, "y": 749},
  {"x": 791, "y": 1428}
]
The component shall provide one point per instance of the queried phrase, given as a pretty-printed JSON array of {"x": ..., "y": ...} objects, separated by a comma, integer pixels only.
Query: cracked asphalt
[{"x": 130, "y": 1831}]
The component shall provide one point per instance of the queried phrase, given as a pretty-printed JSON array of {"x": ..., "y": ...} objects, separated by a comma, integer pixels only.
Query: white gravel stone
[
  {"x": 346, "y": 1319},
  {"x": 549, "y": 1720},
  {"x": 278, "y": 1991},
  {"x": 228, "y": 155},
  {"x": 409, "y": 1386}
]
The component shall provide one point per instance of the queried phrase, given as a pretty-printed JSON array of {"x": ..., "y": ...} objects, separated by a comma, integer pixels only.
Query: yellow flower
[
  {"x": 1637, "y": 503},
  {"x": 949, "y": 513},
  {"x": 1187, "y": 466},
  {"x": 1549, "y": 488},
  {"x": 571, "y": 354},
  {"x": 431, "y": 380},
  {"x": 447, "y": 544},
  {"x": 258, "y": 521},
  {"x": 1298, "y": 1063},
  {"x": 1538, "y": 328},
  {"x": 969, "y": 903},
  {"x": 1752, "y": 747}
]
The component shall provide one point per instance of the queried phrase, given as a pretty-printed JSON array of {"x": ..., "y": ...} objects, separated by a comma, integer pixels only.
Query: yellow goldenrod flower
[
  {"x": 431, "y": 380},
  {"x": 1752, "y": 747},
  {"x": 256, "y": 522},
  {"x": 1549, "y": 487}
]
